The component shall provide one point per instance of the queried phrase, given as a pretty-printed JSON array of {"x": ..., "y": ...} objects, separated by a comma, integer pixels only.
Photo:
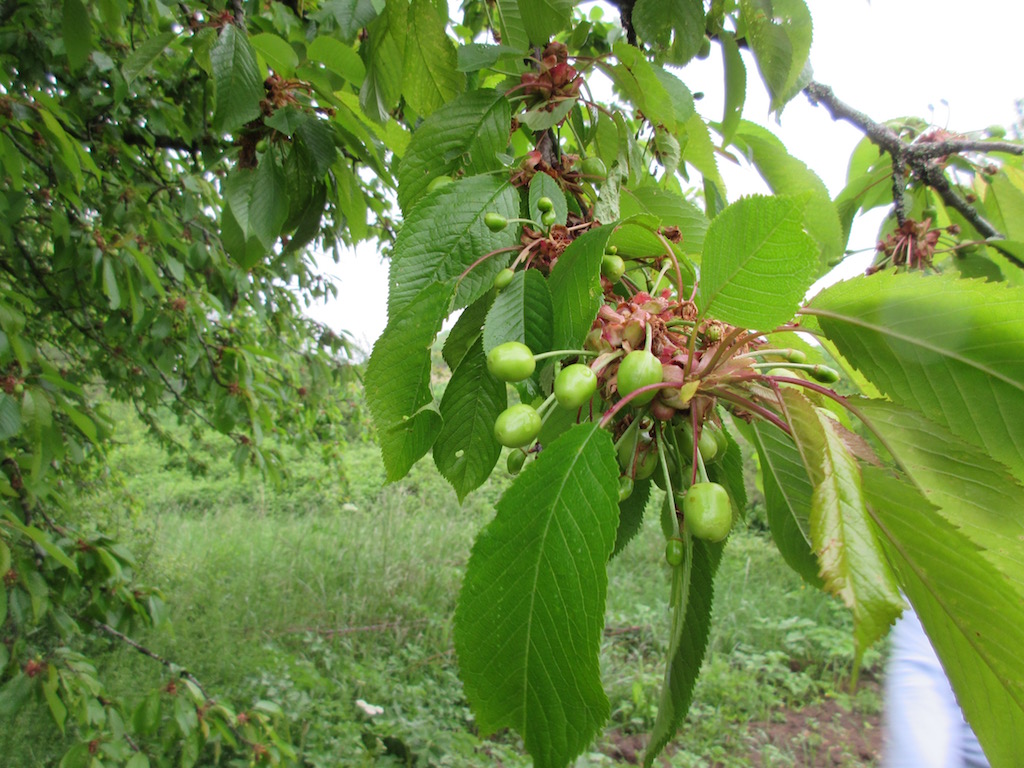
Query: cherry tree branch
[
  {"x": 920, "y": 158},
  {"x": 175, "y": 668}
]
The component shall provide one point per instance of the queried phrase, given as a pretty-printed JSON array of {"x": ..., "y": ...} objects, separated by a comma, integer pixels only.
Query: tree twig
[
  {"x": 919, "y": 158},
  {"x": 175, "y": 668}
]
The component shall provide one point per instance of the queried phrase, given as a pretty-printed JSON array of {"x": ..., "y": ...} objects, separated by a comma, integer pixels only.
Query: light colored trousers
[{"x": 924, "y": 725}]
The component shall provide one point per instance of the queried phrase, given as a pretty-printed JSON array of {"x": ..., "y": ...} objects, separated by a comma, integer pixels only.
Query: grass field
[{"x": 335, "y": 594}]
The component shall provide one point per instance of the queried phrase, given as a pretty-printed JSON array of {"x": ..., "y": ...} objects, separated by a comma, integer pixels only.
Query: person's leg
[{"x": 924, "y": 726}]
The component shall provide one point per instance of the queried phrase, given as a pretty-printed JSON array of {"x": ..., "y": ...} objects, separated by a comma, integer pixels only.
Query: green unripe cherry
[
  {"x": 437, "y": 183},
  {"x": 625, "y": 488},
  {"x": 262, "y": 145},
  {"x": 674, "y": 552},
  {"x": 545, "y": 204},
  {"x": 548, "y": 219},
  {"x": 639, "y": 369},
  {"x": 517, "y": 426},
  {"x": 613, "y": 267},
  {"x": 797, "y": 356},
  {"x": 512, "y": 361},
  {"x": 707, "y": 511},
  {"x": 824, "y": 374},
  {"x": 575, "y": 385},
  {"x": 515, "y": 462},
  {"x": 594, "y": 168},
  {"x": 503, "y": 278},
  {"x": 495, "y": 221}
]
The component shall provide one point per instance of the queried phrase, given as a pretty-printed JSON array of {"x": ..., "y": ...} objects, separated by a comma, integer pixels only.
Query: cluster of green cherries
[{"x": 706, "y": 506}]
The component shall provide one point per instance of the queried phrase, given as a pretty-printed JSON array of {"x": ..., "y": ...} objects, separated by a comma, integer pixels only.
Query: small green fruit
[
  {"x": 495, "y": 221},
  {"x": 674, "y": 552},
  {"x": 511, "y": 361},
  {"x": 594, "y": 168},
  {"x": 517, "y": 426},
  {"x": 575, "y": 385},
  {"x": 824, "y": 374},
  {"x": 503, "y": 278},
  {"x": 262, "y": 146},
  {"x": 545, "y": 204},
  {"x": 625, "y": 488},
  {"x": 437, "y": 183},
  {"x": 707, "y": 511},
  {"x": 639, "y": 369},
  {"x": 515, "y": 462},
  {"x": 613, "y": 267},
  {"x": 548, "y": 219}
]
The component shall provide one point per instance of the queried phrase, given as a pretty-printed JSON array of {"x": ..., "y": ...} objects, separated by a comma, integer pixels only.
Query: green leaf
[
  {"x": 147, "y": 54},
  {"x": 700, "y": 152},
  {"x": 735, "y": 85},
  {"x": 1006, "y": 202},
  {"x": 385, "y": 64},
  {"x": 575, "y": 285},
  {"x": 276, "y": 51},
  {"x": 467, "y": 330},
  {"x": 673, "y": 210},
  {"x": 950, "y": 348},
  {"x": 476, "y": 56},
  {"x": 779, "y": 33},
  {"x": 757, "y": 263},
  {"x": 543, "y": 19},
  {"x": 466, "y": 134},
  {"x": 974, "y": 619},
  {"x": 530, "y": 613},
  {"x": 14, "y": 694},
  {"x": 10, "y": 417},
  {"x": 137, "y": 760},
  {"x": 522, "y": 311},
  {"x": 445, "y": 233},
  {"x": 635, "y": 77},
  {"x": 317, "y": 138},
  {"x": 58, "y": 711},
  {"x": 465, "y": 451},
  {"x": 350, "y": 16},
  {"x": 785, "y": 174},
  {"x": 239, "y": 87},
  {"x": 146, "y": 717},
  {"x": 675, "y": 24},
  {"x": 631, "y": 515},
  {"x": 258, "y": 202},
  {"x": 43, "y": 540},
  {"x": 691, "y": 624},
  {"x": 398, "y": 380},
  {"x": 511, "y": 25},
  {"x": 77, "y": 30},
  {"x": 971, "y": 490},
  {"x": 853, "y": 566},
  {"x": 787, "y": 496},
  {"x": 431, "y": 77},
  {"x": 339, "y": 58}
]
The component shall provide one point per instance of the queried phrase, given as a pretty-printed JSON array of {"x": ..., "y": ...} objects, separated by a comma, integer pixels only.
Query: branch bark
[{"x": 919, "y": 159}]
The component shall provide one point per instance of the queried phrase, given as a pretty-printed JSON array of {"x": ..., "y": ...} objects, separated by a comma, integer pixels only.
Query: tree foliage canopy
[{"x": 169, "y": 170}]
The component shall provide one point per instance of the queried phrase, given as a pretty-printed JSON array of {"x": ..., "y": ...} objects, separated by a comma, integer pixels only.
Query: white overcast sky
[{"x": 953, "y": 62}]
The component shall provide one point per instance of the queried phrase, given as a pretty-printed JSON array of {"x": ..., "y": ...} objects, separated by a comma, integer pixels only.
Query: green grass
[{"x": 336, "y": 589}]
